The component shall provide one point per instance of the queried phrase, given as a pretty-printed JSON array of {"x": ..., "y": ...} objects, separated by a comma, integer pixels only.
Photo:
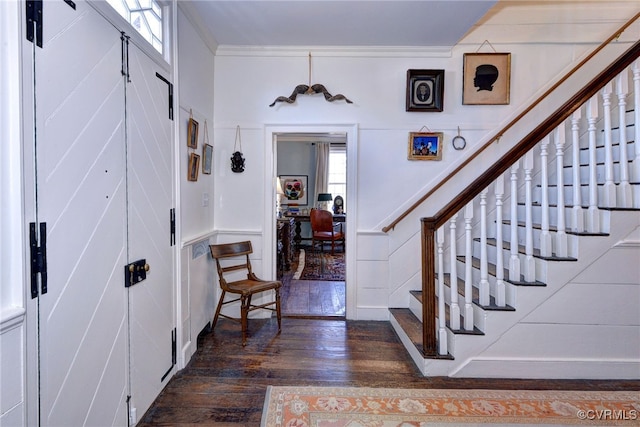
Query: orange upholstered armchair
[{"x": 325, "y": 230}]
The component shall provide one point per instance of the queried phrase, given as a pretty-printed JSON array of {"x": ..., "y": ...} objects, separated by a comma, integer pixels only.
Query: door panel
[
  {"x": 149, "y": 169},
  {"x": 81, "y": 195}
]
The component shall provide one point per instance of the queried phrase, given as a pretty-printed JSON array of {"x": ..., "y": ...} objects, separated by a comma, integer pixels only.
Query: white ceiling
[{"x": 339, "y": 23}]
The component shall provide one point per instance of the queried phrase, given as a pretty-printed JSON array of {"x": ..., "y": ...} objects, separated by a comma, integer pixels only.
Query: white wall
[
  {"x": 12, "y": 304},
  {"x": 248, "y": 80},
  {"x": 196, "y": 207}
]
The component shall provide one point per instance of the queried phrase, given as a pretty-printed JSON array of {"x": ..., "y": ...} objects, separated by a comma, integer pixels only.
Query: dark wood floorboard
[
  {"x": 225, "y": 384},
  {"x": 311, "y": 298}
]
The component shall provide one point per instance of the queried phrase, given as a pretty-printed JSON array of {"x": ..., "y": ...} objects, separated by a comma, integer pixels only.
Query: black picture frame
[{"x": 425, "y": 90}]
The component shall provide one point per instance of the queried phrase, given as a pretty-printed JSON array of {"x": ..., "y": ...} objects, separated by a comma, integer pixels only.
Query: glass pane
[{"x": 145, "y": 16}]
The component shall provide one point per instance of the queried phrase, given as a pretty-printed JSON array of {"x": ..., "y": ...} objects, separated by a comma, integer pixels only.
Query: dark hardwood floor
[
  {"x": 224, "y": 384},
  {"x": 311, "y": 298}
]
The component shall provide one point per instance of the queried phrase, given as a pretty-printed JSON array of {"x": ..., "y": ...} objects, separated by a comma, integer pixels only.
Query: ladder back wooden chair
[
  {"x": 234, "y": 257},
  {"x": 323, "y": 229}
]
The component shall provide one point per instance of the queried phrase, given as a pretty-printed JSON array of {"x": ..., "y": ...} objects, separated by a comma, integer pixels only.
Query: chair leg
[
  {"x": 244, "y": 312},
  {"x": 278, "y": 311},
  {"x": 215, "y": 317}
]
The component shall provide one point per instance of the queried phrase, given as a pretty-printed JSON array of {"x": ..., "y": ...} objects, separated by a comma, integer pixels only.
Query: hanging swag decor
[
  {"x": 237, "y": 161},
  {"x": 309, "y": 90}
]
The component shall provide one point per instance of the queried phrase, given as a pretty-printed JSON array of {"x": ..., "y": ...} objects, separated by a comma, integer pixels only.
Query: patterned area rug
[
  {"x": 378, "y": 407},
  {"x": 316, "y": 265}
]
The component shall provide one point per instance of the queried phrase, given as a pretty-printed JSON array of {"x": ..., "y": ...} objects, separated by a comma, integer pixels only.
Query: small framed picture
[
  {"x": 192, "y": 136},
  {"x": 425, "y": 90},
  {"x": 295, "y": 189},
  {"x": 194, "y": 167},
  {"x": 486, "y": 78},
  {"x": 425, "y": 145},
  {"x": 207, "y": 155}
]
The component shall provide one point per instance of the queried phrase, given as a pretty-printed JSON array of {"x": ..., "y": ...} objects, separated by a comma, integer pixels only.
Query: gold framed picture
[
  {"x": 207, "y": 157},
  {"x": 425, "y": 145},
  {"x": 192, "y": 134},
  {"x": 194, "y": 167},
  {"x": 486, "y": 78}
]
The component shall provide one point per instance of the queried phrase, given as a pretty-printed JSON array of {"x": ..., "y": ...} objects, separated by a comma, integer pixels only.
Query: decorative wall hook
[
  {"x": 237, "y": 161},
  {"x": 310, "y": 90},
  {"x": 458, "y": 141}
]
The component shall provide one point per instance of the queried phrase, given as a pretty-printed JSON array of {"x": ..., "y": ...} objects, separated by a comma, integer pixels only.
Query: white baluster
[
  {"x": 529, "y": 261},
  {"x": 500, "y": 286},
  {"x": 593, "y": 215},
  {"x": 545, "y": 235},
  {"x": 561, "y": 235},
  {"x": 468, "y": 267},
  {"x": 483, "y": 286},
  {"x": 442, "y": 332},
  {"x": 514, "y": 259},
  {"x": 609, "y": 184},
  {"x": 577, "y": 220},
  {"x": 636, "y": 117},
  {"x": 454, "y": 308},
  {"x": 624, "y": 188}
]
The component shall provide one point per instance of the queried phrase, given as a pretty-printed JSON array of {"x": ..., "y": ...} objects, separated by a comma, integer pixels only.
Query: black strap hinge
[
  {"x": 38, "y": 258},
  {"x": 174, "y": 352},
  {"x": 172, "y": 226},
  {"x": 170, "y": 85},
  {"x": 34, "y": 21}
]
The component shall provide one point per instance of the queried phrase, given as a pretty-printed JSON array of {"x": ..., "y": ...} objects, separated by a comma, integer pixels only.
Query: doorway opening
[{"x": 311, "y": 172}]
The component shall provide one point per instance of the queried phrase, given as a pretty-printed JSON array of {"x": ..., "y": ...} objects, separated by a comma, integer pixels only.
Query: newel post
[{"x": 429, "y": 344}]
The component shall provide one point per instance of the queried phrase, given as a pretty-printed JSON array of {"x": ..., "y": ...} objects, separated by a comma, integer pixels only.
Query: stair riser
[
  {"x": 584, "y": 194},
  {"x": 585, "y": 172},
  {"x": 600, "y": 150}
]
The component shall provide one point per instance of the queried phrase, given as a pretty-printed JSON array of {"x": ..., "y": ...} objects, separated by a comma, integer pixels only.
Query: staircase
[{"x": 538, "y": 276}]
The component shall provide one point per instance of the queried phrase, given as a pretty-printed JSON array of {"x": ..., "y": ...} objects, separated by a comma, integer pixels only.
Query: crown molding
[{"x": 337, "y": 51}]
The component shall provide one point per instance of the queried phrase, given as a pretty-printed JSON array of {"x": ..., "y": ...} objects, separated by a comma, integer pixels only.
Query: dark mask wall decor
[
  {"x": 237, "y": 161},
  {"x": 310, "y": 90}
]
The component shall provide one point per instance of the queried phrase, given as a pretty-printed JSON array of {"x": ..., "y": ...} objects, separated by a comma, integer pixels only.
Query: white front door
[
  {"x": 81, "y": 197},
  {"x": 103, "y": 186},
  {"x": 150, "y": 199}
]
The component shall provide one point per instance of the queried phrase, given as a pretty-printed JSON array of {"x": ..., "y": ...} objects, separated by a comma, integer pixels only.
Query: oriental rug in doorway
[
  {"x": 317, "y": 265},
  {"x": 379, "y": 407}
]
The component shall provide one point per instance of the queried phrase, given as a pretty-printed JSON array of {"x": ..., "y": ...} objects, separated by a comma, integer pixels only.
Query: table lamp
[{"x": 323, "y": 199}]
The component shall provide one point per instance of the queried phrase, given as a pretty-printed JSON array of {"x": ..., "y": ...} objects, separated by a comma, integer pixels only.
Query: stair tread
[
  {"x": 476, "y": 331},
  {"x": 555, "y": 229},
  {"x": 521, "y": 249},
  {"x": 491, "y": 270},
  {"x": 412, "y": 326},
  {"x": 475, "y": 297}
]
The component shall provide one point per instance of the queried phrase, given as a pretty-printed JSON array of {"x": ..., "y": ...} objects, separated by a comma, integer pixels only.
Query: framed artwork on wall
[
  {"x": 425, "y": 145},
  {"x": 192, "y": 134},
  {"x": 486, "y": 78},
  {"x": 207, "y": 156},
  {"x": 295, "y": 189},
  {"x": 194, "y": 167},
  {"x": 425, "y": 90}
]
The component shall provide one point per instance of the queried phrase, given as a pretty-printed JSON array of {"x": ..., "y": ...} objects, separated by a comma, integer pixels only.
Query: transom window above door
[{"x": 145, "y": 16}]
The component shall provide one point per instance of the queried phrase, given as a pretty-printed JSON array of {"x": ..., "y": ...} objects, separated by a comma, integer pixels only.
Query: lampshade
[{"x": 324, "y": 197}]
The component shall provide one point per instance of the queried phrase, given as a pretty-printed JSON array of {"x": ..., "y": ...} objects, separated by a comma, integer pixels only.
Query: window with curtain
[{"x": 337, "y": 185}]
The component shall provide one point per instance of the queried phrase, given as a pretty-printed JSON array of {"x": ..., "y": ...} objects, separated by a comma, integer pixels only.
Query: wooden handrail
[{"x": 499, "y": 134}]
